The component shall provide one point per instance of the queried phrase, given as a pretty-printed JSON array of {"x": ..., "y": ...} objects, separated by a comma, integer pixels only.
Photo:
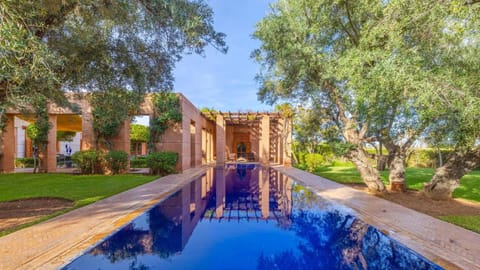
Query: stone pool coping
[
  {"x": 56, "y": 242},
  {"x": 445, "y": 244}
]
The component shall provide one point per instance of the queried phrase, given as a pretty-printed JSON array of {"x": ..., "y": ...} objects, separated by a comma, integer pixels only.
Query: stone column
[
  {"x": 185, "y": 156},
  {"x": 7, "y": 160},
  {"x": 264, "y": 142},
  {"x": 220, "y": 140},
  {"x": 122, "y": 140},
  {"x": 210, "y": 146},
  {"x": 287, "y": 142}
]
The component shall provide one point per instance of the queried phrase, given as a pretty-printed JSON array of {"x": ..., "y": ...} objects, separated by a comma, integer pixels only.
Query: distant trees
[
  {"x": 375, "y": 71},
  {"x": 138, "y": 134}
]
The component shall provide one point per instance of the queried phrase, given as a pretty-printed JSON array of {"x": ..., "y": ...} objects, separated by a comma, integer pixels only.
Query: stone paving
[
  {"x": 54, "y": 243},
  {"x": 447, "y": 245}
]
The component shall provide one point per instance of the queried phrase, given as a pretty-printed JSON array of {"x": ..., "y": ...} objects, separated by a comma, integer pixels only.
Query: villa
[{"x": 200, "y": 138}]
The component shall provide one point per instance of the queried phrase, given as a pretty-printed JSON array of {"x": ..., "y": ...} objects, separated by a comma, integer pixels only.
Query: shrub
[
  {"x": 162, "y": 163},
  {"x": 24, "y": 163},
  {"x": 89, "y": 161},
  {"x": 312, "y": 161},
  {"x": 139, "y": 162},
  {"x": 116, "y": 161}
]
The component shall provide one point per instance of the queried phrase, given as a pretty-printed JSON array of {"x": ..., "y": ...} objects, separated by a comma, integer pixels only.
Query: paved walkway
[
  {"x": 449, "y": 246},
  {"x": 52, "y": 244}
]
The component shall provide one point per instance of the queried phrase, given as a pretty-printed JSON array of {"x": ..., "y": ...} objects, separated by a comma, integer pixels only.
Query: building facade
[{"x": 200, "y": 138}]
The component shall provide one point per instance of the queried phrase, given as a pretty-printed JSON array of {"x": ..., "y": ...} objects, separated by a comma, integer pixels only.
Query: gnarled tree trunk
[
  {"x": 396, "y": 164},
  {"x": 369, "y": 174},
  {"x": 447, "y": 178}
]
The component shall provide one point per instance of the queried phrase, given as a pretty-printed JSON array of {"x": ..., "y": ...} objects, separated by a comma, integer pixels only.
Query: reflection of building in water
[
  {"x": 242, "y": 192},
  {"x": 166, "y": 228},
  {"x": 247, "y": 192}
]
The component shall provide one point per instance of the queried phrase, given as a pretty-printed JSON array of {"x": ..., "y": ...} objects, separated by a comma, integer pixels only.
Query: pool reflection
[{"x": 303, "y": 231}]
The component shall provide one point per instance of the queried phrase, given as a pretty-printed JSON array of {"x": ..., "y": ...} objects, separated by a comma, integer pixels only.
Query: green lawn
[
  {"x": 82, "y": 189},
  {"x": 469, "y": 187}
]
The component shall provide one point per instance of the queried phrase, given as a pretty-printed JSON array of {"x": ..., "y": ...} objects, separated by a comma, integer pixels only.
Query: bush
[
  {"x": 116, "y": 161},
  {"x": 139, "y": 162},
  {"x": 89, "y": 161},
  {"x": 24, "y": 163},
  {"x": 312, "y": 161},
  {"x": 162, "y": 163}
]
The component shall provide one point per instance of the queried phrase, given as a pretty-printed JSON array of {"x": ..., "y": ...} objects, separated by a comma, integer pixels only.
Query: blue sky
[{"x": 226, "y": 82}]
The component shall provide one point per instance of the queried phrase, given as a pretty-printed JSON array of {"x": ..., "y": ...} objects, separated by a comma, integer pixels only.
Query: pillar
[
  {"x": 264, "y": 142},
  {"x": 185, "y": 156},
  {"x": 220, "y": 140},
  {"x": 287, "y": 142},
  {"x": 122, "y": 140},
  {"x": 7, "y": 160}
]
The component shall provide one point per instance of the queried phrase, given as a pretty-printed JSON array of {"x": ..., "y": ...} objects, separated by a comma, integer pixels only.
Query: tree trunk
[
  {"x": 447, "y": 178},
  {"x": 396, "y": 176},
  {"x": 369, "y": 174},
  {"x": 440, "y": 158}
]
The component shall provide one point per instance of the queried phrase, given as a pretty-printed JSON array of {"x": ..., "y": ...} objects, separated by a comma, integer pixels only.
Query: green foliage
[
  {"x": 167, "y": 112},
  {"x": 116, "y": 161},
  {"x": 210, "y": 113},
  {"x": 312, "y": 161},
  {"x": 426, "y": 158},
  {"x": 139, "y": 162},
  {"x": 24, "y": 162},
  {"x": 342, "y": 148},
  {"x": 66, "y": 136},
  {"x": 162, "y": 163},
  {"x": 139, "y": 133},
  {"x": 88, "y": 161},
  {"x": 110, "y": 110},
  {"x": 51, "y": 46}
]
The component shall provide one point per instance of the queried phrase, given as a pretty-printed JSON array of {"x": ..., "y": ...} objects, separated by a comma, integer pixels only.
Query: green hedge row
[
  {"x": 139, "y": 162},
  {"x": 417, "y": 158},
  {"x": 98, "y": 162},
  {"x": 24, "y": 163},
  {"x": 162, "y": 163}
]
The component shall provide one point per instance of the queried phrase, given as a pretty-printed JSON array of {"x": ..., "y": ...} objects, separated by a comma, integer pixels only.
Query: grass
[
  {"x": 82, "y": 189},
  {"x": 469, "y": 185},
  {"x": 415, "y": 177}
]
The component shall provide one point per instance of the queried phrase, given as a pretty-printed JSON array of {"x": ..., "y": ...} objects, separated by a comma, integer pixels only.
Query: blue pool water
[{"x": 247, "y": 217}]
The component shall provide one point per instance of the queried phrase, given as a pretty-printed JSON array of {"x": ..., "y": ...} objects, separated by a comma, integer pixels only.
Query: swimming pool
[{"x": 248, "y": 217}]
